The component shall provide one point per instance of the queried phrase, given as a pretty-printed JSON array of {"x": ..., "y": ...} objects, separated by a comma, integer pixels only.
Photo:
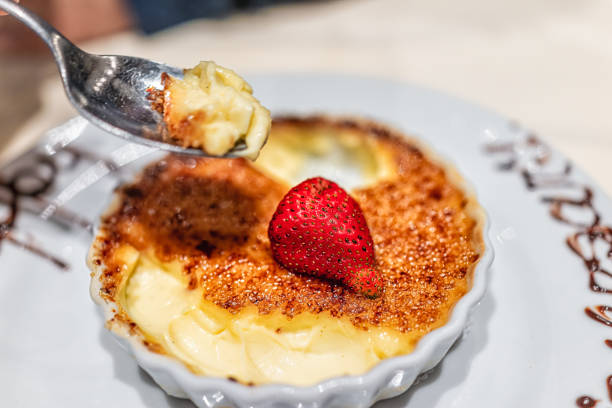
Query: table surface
[{"x": 546, "y": 64}]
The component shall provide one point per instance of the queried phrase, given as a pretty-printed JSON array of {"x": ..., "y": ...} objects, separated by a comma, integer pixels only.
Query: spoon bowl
[{"x": 110, "y": 90}]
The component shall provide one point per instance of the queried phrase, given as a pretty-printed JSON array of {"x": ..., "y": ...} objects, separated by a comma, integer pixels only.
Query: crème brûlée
[
  {"x": 213, "y": 109},
  {"x": 184, "y": 258}
]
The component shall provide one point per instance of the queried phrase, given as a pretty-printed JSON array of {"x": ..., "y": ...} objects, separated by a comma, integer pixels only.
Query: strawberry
[{"x": 318, "y": 229}]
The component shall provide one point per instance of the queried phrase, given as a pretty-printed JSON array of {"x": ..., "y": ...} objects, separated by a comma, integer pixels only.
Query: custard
[
  {"x": 214, "y": 109},
  {"x": 184, "y": 255}
]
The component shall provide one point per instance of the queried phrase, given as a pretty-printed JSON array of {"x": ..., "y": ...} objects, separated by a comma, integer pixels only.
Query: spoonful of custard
[{"x": 205, "y": 111}]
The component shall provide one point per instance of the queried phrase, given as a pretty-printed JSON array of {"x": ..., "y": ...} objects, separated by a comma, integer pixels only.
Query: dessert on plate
[{"x": 183, "y": 262}]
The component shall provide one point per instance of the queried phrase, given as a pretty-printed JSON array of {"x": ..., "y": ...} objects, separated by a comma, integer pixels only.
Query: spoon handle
[{"x": 53, "y": 38}]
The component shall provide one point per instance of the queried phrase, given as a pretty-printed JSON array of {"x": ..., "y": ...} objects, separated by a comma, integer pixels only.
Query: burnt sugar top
[{"x": 212, "y": 215}]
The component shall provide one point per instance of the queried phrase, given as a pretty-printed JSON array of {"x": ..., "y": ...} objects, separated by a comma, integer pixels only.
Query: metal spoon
[{"x": 109, "y": 90}]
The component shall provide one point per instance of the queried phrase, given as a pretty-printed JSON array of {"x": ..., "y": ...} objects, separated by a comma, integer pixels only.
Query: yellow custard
[
  {"x": 292, "y": 156},
  {"x": 214, "y": 109},
  {"x": 248, "y": 346}
]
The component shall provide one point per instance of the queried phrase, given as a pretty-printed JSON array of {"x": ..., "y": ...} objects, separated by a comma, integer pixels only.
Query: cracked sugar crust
[{"x": 212, "y": 216}]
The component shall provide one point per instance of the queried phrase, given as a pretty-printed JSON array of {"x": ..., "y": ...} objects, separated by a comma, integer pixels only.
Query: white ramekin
[{"x": 387, "y": 379}]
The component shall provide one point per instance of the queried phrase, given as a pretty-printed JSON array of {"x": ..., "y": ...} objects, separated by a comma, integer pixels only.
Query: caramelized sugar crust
[{"x": 212, "y": 215}]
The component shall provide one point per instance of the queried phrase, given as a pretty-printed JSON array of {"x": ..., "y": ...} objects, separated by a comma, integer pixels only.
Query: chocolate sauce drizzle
[
  {"x": 586, "y": 402},
  {"x": 24, "y": 188},
  {"x": 27, "y": 182},
  {"x": 599, "y": 314},
  {"x": 533, "y": 163}
]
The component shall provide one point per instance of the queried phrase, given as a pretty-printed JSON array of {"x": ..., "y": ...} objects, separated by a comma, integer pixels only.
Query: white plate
[{"x": 530, "y": 343}]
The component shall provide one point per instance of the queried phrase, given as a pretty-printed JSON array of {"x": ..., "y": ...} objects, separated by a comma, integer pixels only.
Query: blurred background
[{"x": 545, "y": 63}]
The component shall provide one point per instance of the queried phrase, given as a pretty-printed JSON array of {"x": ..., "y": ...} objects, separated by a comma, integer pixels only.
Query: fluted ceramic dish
[
  {"x": 387, "y": 379},
  {"x": 530, "y": 342}
]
